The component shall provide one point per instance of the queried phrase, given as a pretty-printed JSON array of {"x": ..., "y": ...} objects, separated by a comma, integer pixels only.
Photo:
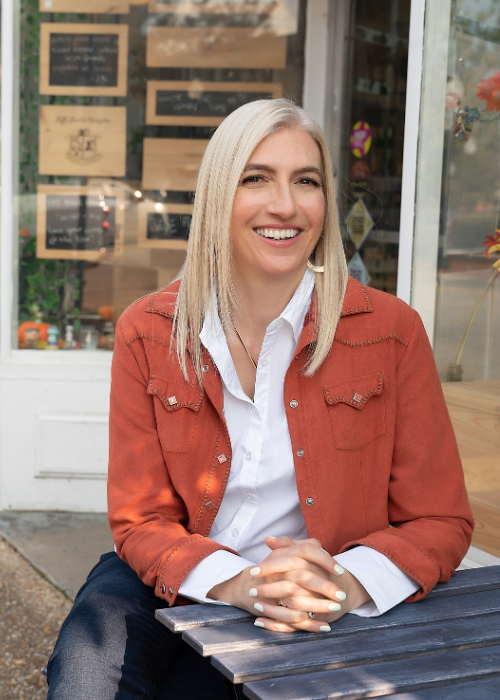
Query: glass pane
[
  {"x": 115, "y": 111},
  {"x": 372, "y": 139},
  {"x": 467, "y": 299}
]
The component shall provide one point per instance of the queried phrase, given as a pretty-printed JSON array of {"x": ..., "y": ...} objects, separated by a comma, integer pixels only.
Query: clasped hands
[{"x": 297, "y": 578}]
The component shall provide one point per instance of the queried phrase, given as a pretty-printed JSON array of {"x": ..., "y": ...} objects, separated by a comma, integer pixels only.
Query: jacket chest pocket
[
  {"x": 177, "y": 414},
  {"x": 357, "y": 411}
]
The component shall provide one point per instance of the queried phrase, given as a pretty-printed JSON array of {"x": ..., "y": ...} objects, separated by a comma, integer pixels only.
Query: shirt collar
[{"x": 293, "y": 314}]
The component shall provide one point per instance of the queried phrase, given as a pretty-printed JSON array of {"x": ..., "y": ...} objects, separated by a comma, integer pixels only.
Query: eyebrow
[{"x": 269, "y": 169}]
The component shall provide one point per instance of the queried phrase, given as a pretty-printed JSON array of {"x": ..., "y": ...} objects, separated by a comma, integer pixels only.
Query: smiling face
[{"x": 279, "y": 207}]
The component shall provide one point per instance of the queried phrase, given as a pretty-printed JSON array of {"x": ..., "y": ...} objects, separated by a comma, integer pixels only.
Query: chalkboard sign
[
  {"x": 79, "y": 223},
  {"x": 168, "y": 226},
  {"x": 193, "y": 103},
  {"x": 83, "y": 59}
]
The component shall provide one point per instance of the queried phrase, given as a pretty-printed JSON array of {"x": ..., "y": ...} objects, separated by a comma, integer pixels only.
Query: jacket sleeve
[
  {"x": 431, "y": 520},
  {"x": 145, "y": 513}
]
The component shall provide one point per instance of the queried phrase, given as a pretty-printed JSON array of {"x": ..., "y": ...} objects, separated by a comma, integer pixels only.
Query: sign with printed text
[
  {"x": 87, "y": 141},
  {"x": 357, "y": 269},
  {"x": 164, "y": 225},
  {"x": 359, "y": 223},
  {"x": 83, "y": 59}
]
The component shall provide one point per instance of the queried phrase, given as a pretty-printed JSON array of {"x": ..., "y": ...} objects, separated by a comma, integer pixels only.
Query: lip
[{"x": 280, "y": 242}]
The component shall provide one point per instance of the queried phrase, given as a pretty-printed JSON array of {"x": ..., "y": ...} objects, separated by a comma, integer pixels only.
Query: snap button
[
  {"x": 221, "y": 459},
  {"x": 205, "y": 368},
  {"x": 357, "y": 397},
  {"x": 172, "y": 400},
  {"x": 294, "y": 403},
  {"x": 163, "y": 589},
  {"x": 309, "y": 501},
  {"x": 300, "y": 453},
  {"x": 171, "y": 591}
]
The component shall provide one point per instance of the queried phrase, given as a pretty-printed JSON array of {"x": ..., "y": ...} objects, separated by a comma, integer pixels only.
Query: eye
[
  {"x": 312, "y": 182},
  {"x": 252, "y": 179}
]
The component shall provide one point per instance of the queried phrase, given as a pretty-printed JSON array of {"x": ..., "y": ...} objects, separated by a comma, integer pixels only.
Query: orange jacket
[{"x": 376, "y": 459}]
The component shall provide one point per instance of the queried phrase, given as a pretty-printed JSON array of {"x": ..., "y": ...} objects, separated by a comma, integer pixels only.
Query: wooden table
[{"x": 445, "y": 647}]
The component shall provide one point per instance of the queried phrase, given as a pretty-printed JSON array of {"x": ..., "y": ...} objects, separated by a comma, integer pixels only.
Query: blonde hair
[{"x": 207, "y": 270}]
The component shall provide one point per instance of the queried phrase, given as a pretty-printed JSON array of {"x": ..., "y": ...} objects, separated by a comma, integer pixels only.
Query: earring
[{"x": 315, "y": 268}]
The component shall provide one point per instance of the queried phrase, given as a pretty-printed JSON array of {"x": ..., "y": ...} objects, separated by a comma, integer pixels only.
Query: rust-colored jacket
[{"x": 379, "y": 467}]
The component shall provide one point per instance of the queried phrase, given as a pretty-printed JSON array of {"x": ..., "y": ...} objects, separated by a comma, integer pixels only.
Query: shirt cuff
[
  {"x": 216, "y": 568},
  {"x": 384, "y": 581}
]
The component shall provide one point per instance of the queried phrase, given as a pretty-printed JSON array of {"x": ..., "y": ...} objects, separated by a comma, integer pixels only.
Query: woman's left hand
[{"x": 294, "y": 568}]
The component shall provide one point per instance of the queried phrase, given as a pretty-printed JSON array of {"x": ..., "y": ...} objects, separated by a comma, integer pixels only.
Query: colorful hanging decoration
[
  {"x": 489, "y": 91},
  {"x": 357, "y": 269},
  {"x": 492, "y": 244},
  {"x": 361, "y": 139},
  {"x": 466, "y": 116}
]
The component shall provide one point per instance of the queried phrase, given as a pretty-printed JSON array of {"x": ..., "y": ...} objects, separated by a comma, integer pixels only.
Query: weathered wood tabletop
[{"x": 445, "y": 647}]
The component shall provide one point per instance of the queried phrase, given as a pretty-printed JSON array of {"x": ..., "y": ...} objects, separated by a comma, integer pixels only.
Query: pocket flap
[
  {"x": 175, "y": 396},
  {"x": 356, "y": 391}
]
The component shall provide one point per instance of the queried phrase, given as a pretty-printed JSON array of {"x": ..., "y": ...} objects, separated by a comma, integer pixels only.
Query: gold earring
[{"x": 315, "y": 268}]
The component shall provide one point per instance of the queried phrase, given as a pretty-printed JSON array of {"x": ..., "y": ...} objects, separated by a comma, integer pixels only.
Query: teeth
[{"x": 277, "y": 234}]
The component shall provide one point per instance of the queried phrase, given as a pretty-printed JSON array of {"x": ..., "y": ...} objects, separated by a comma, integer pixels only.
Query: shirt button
[
  {"x": 264, "y": 363},
  {"x": 294, "y": 403},
  {"x": 234, "y": 532},
  {"x": 248, "y": 455},
  {"x": 250, "y": 497},
  {"x": 309, "y": 501},
  {"x": 300, "y": 453},
  {"x": 205, "y": 368}
]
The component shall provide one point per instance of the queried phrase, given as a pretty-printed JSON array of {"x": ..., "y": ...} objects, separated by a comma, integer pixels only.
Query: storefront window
[
  {"x": 117, "y": 101},
  {"x": 372, "y": 139},
  {"x": 457, "y": 251}
]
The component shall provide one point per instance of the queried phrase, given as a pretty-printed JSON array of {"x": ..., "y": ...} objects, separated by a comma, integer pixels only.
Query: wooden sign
[
  {"x": 171, "y": 164},
  {"x": 193, "y": 103},
  {"x": 109, "y": 7},
  {"x": 164, "y": 225},
  {"x": 83, "y": 59},
  {"x": 79, "y": 223},
  {"x": 86, "y": 141},
  {"x": 214, "y": 6},
  {"x": 214, "y": 47}
]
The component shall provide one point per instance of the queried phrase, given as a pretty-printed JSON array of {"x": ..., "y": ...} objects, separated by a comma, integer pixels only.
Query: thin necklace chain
[{"x": 246, "y": 349}]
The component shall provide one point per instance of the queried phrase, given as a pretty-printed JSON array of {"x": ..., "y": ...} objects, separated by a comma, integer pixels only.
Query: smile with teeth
[{"x": 277, "y": 234}]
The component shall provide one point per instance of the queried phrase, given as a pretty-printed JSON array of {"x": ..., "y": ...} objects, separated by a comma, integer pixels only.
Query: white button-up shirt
[{"x": 261, "y": 495}]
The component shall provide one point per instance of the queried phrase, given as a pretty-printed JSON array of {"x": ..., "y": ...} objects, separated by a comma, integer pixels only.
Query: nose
[{"x": 282, "y": 202}]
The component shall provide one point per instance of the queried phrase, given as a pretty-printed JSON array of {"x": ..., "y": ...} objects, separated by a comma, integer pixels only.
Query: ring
[
  {"x": 280, "y": 602},
  {"x": 311, "y": 616}
]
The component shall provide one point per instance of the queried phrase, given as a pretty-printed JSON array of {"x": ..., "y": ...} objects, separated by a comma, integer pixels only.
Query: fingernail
[
  {"x": 253, "y": 592},
  {"x": 255, "y": 571},
  {"x": 258, "y": 623},
  {"x": 323, "y": 628},
  {"x": 339, "y": 594},
  {"x": 260, "y": 607},
  {"x": 272, "y": 537},
  {"x": 334, "y": 607},
  {"x": 338, "y": 569}
]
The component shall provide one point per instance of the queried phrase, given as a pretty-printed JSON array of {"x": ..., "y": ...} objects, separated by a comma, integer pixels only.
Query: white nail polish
[
  {"x": 272, "y": 537},
  {"x": 258, "y": 623},
  {"x": 253, "y": 592},
  {"x": 259, "y": 607},
  {"x": 339, "y": 569},
  {"x": 323, "y": 628},
  {"x": 255, "y": 571},
  {"x": 334, "y": 607},
  {"x": 339, "y": 594}
]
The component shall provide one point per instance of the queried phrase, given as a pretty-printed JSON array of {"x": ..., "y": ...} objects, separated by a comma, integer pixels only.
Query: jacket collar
[{"x": 356, "y": 301}]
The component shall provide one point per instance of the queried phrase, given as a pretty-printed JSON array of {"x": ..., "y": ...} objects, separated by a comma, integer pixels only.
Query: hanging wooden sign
[
  {"x": 193, "y": 103},
  {"x": 79, "y": 223},
  {"x": 109, "y": 7},
  {"x": 86, "y": 141},
  {"x": 83, "y": 59},
  {"x": 171, "y": 164},
  {"x": 214, "y": 6},
  {"x": 214, "y": 47},
  {"x": 164, "y": 225}
]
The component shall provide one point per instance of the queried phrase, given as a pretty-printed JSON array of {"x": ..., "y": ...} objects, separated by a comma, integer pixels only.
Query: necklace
[{"x": 246, "y": 349}]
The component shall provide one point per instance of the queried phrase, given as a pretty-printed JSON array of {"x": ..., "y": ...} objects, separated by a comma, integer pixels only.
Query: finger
[
  {"x": 306, "y": 626},
  {"x": 301, "y": 582},
  {"x": 310, "y": 604}
]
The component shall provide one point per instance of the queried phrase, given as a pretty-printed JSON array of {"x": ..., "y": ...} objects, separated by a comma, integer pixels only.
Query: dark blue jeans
[{"x": 110, "y": 647}]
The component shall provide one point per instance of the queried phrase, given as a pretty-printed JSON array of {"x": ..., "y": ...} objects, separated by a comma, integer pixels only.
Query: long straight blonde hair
[{"x": 207, "y": 271}]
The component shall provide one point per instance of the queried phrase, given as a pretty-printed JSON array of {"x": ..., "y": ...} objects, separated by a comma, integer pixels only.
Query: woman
[{"x": 278, "y": 435}]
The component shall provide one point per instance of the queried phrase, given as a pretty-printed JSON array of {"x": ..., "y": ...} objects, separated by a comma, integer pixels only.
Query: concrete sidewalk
[{"x": 65, "y": 546}]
